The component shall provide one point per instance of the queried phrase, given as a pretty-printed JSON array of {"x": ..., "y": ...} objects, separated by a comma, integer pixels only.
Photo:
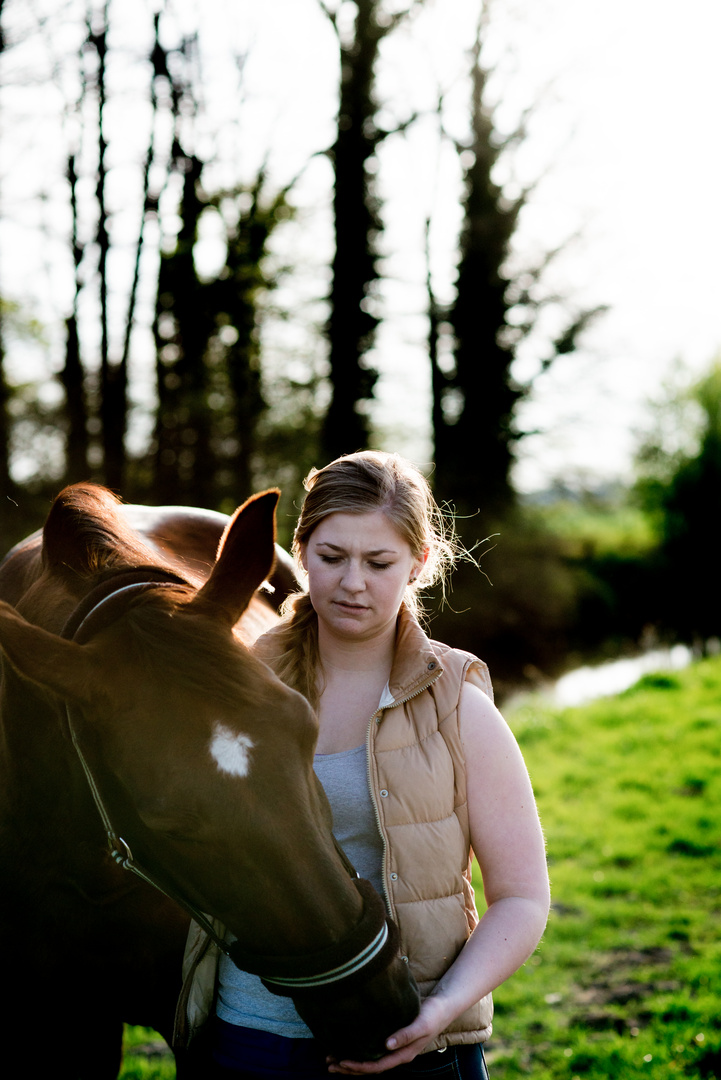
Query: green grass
[
  {"x": 625, "y": 982},
  {"x": 629, "y": 790},
  {"x": 146, "y": 1056}
]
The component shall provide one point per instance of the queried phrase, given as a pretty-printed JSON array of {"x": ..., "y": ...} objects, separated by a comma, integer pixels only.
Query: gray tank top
[{"x": 242, "y": 998}]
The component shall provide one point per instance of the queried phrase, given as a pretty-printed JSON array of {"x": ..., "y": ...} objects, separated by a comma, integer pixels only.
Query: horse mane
[{"x": 86, "y": 533}]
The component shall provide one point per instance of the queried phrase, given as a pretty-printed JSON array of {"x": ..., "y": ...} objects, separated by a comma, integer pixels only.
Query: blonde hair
[{"x": 358, "y": 484}]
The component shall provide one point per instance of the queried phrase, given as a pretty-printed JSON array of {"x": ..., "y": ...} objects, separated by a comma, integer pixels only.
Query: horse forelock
[{"x": 192, "y": 651}]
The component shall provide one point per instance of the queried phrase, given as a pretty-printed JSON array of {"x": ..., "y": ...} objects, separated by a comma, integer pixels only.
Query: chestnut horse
[{"x": 131, "y": 708}]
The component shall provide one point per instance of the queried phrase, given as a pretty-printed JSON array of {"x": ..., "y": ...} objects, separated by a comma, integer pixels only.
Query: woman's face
[{"x": 358, "y": 568}]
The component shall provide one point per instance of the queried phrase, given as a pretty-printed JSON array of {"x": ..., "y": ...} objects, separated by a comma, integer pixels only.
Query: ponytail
[{"x": 291, "y": 649}]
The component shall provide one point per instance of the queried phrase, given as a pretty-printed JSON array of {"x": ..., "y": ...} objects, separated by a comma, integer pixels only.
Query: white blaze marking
[{"x": 230, "y": 751}]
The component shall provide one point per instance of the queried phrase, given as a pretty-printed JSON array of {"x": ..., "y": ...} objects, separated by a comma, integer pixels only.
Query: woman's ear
[{"x": 419, "y": 563}]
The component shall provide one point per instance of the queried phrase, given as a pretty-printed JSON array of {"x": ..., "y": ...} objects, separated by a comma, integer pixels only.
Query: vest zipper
[{"x": 374, "y": 803}]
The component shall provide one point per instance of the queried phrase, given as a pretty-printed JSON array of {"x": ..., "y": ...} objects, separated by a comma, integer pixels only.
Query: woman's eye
[
  {"x": 380, "y": 565},
  {"x": 330, "y": 558}
]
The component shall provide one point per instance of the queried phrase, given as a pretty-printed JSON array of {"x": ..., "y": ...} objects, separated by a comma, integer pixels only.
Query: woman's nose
[{"x": 353, "y": 578}]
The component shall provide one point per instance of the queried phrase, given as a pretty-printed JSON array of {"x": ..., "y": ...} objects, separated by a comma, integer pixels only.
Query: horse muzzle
[
  {"x": 353, "y": 1025},
  {"x": 353, "y": 994}
]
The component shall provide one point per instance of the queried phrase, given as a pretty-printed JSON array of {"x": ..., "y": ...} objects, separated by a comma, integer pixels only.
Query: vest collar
[{"x": 416, "y": 664}]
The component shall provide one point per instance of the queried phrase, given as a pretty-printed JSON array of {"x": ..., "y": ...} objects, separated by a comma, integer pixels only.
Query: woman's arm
[{"x": 508, "y": 843}]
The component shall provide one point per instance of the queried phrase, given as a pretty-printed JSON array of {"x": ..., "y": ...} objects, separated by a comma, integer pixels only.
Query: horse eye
[{"x": 180, "y": 824}]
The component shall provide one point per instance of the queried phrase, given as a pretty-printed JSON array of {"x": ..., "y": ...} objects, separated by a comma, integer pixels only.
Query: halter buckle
[{"x": 120, "y": 851}]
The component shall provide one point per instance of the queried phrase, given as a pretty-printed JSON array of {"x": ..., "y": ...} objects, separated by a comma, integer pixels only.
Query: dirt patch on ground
[{"x": 612, "y": 999}]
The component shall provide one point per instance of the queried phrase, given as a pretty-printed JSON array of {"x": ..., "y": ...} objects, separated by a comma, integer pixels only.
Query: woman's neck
[
  {"x": 342, "y": 654},
  {"x": 353, "y": 676}
]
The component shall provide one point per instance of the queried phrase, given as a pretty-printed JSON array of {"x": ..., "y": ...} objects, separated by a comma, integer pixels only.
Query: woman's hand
[{"x": 404, "y": 1045}]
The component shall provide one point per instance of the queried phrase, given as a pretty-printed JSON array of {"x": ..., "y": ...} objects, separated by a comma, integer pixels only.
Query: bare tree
[
  {"x": 474, "y": 405},
  {"x": 357, "y": 221}
]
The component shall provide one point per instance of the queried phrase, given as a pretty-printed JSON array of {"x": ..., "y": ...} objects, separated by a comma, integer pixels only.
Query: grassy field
[{"x": 627, "y": 981}]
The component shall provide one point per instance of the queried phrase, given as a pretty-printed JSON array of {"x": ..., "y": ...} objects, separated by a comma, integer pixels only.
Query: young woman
[{"x": 419, "y": 767}]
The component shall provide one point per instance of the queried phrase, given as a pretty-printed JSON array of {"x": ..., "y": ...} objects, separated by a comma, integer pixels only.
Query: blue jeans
[{"x": 247, "y": 1054}]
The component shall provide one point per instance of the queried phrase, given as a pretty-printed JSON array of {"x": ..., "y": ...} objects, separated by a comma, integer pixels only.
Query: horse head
[{"x": 200, "y": 759}]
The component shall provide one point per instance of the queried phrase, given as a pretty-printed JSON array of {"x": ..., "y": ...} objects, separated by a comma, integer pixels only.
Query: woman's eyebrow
[{"x": 371, "y": 554}]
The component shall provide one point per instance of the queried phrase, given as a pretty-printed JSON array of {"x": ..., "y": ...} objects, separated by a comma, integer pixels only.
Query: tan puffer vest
[{"x": 418, "y": 781}]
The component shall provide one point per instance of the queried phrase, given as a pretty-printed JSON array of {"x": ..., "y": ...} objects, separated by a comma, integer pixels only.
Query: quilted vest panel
[{"x": 418, "y": 779}]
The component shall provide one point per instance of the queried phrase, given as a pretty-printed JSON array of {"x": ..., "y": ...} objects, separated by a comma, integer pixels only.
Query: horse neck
[{"x": 20, "y": 568}]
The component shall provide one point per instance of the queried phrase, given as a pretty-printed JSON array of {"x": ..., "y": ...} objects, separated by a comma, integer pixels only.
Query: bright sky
[{"x": 624, "y": 136}]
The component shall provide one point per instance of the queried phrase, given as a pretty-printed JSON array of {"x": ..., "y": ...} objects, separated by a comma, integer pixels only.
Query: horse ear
[
  {"x": 245, "y": 557},
  {"x": 61, "y": 666}
]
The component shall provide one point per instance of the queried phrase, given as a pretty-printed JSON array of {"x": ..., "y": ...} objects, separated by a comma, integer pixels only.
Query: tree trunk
[
  {"x": 184, "y": 469},
  {"x": 352, "y": 322},
  {"x": 113, "y": 402},
  {"x": 7, "y": 486},
  {"x": 473, "y": 439},
  {"x": 72, "y": 375}
]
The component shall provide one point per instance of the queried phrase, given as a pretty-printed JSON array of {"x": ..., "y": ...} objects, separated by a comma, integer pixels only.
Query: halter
[{"x": 371, "y": 945}]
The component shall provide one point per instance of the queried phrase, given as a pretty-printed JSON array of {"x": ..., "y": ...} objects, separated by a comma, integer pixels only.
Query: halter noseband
[
  {"x": 368, "y": 949},
  {"x": 371, "y": 945}
]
